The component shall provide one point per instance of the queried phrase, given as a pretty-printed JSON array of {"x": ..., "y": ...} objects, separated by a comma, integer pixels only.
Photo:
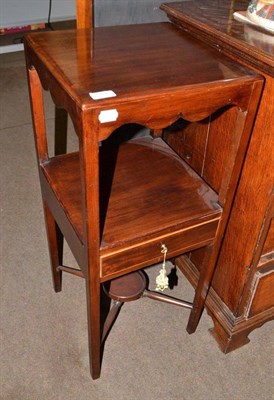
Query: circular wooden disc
[{"x": 128, "y": 287}]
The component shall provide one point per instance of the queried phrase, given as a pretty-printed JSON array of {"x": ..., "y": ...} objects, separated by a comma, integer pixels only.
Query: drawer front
[
  {"x": 263, "y": 292},
  {"x": 149, "y": 252}
]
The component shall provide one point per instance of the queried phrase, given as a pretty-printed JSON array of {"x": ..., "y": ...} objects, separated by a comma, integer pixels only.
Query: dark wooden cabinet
[{"x": 242, "y": 295}]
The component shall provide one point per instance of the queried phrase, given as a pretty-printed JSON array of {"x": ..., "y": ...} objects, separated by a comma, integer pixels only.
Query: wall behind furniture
[
  {"x": 107, "y": 12},
  {"x": 121, "y": 12},
  {"x": 25, "y": 12}
]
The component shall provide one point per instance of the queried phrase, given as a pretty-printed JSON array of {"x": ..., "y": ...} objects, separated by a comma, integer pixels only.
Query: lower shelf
[{"x": 147, "y": 194}]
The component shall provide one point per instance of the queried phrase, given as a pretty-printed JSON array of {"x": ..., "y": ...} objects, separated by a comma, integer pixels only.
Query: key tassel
[{"x": 162, "y": 279}]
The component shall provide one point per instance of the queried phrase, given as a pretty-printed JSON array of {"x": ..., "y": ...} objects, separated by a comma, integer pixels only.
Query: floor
[{"x": 148, "y": 354}]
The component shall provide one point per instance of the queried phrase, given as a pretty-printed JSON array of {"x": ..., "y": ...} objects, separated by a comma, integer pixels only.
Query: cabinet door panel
[
  {"x": 269, "y": 242},
  {"x": 263, "y": 291}
]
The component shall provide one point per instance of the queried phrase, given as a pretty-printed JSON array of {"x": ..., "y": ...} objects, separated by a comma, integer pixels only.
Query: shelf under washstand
[{"x": 149, "y": 195}]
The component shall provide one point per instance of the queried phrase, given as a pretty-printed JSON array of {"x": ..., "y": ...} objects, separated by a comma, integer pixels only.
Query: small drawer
[{"x": 128, "y": 259}]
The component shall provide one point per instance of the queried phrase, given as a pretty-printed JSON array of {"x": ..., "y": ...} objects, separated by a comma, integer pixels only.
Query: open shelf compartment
[{"x": 150, "y": 196}]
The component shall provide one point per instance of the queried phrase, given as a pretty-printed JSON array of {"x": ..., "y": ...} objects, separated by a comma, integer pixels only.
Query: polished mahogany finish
[
  {"x": 84, "y": 20},
  {"x": 242, "y": 293},
  {"x": 213, "y": 22},
  {"x": 84, "y": 14},
  {"x": 117, "y": 204}
]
